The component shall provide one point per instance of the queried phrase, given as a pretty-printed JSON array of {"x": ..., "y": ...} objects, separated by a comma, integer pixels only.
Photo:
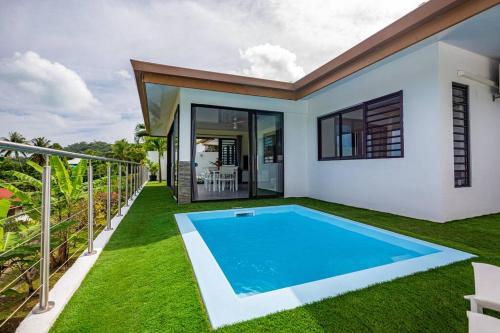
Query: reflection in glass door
[{"x": 268, "y": 145}]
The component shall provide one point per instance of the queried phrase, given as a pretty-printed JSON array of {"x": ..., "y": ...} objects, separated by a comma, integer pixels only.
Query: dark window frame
[
  {"x": 252, "y": 161},
  {"x": 466, "y": 135},
  {"x": 362, "y": 106},
  {"x": 225, "y": 159},
  {"x": 333, "y": 115}
]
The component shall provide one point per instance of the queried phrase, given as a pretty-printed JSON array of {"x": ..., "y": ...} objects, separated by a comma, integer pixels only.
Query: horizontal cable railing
[
  {"x": 56, "y": 152},
  {"x": 51, "y": 207}
]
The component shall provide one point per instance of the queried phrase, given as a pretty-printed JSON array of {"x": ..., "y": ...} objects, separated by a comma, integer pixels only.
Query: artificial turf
[{"x": 143, "y": 280}]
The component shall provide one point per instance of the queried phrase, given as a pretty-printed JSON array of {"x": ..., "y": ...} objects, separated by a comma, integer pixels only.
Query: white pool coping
[
  {"x": 66, "y": 286},
  {"x": 225, "y": 307}
]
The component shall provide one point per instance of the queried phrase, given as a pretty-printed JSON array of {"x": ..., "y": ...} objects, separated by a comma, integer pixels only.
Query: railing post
[
  {"x": 45, "y": 304},
  {"x": 132, "y": 182},
  {"x": 126, "y": 185},
  {"x": 108, "y": 201},
  {"x": 140, "y": 176},
  {"x": 90, "y": 224},
  {"x": 119, "y": 189},
  {"x": 135, "y": 180}
]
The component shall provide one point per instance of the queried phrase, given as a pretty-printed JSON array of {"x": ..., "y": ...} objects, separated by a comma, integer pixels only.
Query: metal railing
[{"x": 133, "y": 180}]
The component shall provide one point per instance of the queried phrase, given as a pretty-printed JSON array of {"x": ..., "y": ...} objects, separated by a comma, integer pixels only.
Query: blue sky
[{"x": 64, "y": 65}]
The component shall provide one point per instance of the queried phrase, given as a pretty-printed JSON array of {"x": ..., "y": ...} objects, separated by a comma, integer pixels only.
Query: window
[
  {"x": 373, "y": 129},
  {"x": 384, "y": 126},
  {"x": 351, "y": 139},
  {"x": 461, "y": 135},
  {"x": 227, "y": 151},
  {"x": 329, "y": 138},
  {"x": 272, "y": 148}
]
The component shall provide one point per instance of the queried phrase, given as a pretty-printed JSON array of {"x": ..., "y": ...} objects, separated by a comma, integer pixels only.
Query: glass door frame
[
  {"x": 173, "y": 154},
  {"x": 252, "y": 160},
  {"x": 254, "y": 152}
]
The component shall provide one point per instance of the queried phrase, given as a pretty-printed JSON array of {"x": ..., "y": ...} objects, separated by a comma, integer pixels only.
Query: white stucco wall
[
  {"x": 408, "y": 186},
  {"x": 419, "y": 185},
  {"x": 295, "y": 126},
  {"x": 483, "y": 196}
]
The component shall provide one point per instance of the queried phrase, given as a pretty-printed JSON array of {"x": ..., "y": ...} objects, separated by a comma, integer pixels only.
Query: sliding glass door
[
  {"x": 236, "y": 153},
  {"x": 173, "y": 154},
  {"x": 220, "y": 150},
  {"x": 268, "y": 152}
]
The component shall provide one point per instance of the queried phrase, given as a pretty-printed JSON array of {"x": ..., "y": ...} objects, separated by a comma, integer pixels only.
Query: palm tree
[
  {"x": 159, "y": 145},
  {"x": 140, "y": 132},
  {"x": 120, "y": 149},
  {"x": 14, "y": 137},
  {"x": 40, "y": 142}
]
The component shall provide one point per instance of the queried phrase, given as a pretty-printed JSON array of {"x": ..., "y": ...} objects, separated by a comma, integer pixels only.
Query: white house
[{"x": 405, "y": 122}]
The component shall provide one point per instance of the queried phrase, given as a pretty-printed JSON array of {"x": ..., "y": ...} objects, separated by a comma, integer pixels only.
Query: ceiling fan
[{"x": 236, "y": 122}]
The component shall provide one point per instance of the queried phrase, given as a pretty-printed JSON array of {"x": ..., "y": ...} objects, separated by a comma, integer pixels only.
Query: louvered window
[
  {"x": 227, "y": 151},
  {"x": 461, "y": 135},
  {"x": 384, "y": 126},
  {"x": 373, "y": 129}
]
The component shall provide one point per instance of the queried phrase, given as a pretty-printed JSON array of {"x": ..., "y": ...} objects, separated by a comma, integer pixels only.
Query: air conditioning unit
[{"x": 484, "y": 81}]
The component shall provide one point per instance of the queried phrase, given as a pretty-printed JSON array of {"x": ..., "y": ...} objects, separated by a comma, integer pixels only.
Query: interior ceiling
[
  {"x": 479, "y": 34},
  {"x": 221, "y": 119}
]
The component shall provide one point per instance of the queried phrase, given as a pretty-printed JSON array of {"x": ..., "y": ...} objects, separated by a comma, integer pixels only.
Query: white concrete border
[
  {"x": 66, "y": 286},
  {"x": 224, "y": 307}
]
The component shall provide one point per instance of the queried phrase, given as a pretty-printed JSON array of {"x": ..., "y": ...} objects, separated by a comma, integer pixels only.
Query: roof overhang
[{"x": 427, "y": 20}]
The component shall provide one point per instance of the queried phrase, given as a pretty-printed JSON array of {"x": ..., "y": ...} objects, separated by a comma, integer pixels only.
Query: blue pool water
[{"x": 284, "y": 246}]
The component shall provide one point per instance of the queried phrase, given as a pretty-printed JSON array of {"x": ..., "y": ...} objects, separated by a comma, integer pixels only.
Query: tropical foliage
[
  {"x": 153, "y": 167},
  {"x": 13, "y": 137},
  {"x": 140, "y": 133},
  {"x": 40, "y": 142},
  {"x": 20, "y": 214},
  {"x": 98, "y": 148},
  {"x": 20, "y": 223},
  {"x": 159, "y": 145}
]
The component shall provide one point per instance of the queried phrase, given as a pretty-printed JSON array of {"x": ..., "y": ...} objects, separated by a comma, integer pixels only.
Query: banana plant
[
  {"x": 14, "y": 254},
  {"x": 4, "y": 210},
  {"x": 19, "y": 246},
  {"x": 67, "y": 187}
]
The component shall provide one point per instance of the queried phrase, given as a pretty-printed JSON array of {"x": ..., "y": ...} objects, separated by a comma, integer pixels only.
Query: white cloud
[
  {"x": 81, "y": 36},
  {"x": 123, "y": 74},
  {"x": 271, "y": 62},
  {"x": 47, "y": 83}
]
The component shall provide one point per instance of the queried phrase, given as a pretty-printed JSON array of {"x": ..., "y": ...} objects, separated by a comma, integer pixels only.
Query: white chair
[
  {"x": 207, "y": 179},
  {"x": 480, "y": 323},
  {"x": 226, "y": 177},
  {"x": 487, "y": 287}
]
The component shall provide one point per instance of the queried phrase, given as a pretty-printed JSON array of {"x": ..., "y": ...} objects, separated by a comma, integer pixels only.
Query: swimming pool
[{"x": 252, "y": 262}]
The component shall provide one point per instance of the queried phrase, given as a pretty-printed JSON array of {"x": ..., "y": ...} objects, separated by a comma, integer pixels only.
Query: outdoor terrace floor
[{"x": 143, "y": 281}]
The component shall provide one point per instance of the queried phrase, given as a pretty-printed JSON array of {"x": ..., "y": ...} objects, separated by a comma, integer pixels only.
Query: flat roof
[{"x": 427, "y": 20}]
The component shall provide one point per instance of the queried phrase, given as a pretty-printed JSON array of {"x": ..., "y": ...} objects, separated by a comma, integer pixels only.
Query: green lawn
[{"x": 143, "y": 281}]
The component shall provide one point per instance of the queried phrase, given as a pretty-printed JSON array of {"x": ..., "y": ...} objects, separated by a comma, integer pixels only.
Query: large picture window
[
  {"x": 373, "y": 129},
  {"x": 461, "y": 135}
]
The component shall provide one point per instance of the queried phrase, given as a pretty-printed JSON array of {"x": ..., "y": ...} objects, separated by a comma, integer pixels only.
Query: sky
[{"x": 65, "y": 68}]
